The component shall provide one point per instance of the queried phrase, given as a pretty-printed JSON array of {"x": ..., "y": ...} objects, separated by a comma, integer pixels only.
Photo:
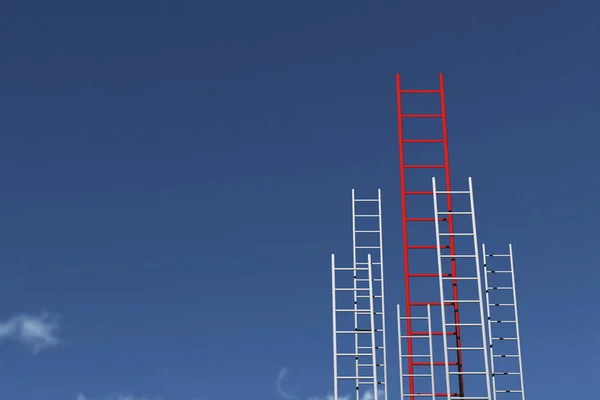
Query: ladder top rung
[{"x": 453, "y": 192}]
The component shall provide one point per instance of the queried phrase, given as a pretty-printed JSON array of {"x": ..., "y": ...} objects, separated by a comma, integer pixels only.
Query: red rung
[
  {"x": 423, "y": 219},
  {"x": 420, "y": 91},
  {"x": 424, "y": 166},
  {"x": 427, "y": 275},
  {"x": 423, "y": 140},
  {"x": 421, "y": 115}
]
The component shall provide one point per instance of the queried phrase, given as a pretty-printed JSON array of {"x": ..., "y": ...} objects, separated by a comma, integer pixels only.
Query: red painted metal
[{"x": 406, "y": 220}]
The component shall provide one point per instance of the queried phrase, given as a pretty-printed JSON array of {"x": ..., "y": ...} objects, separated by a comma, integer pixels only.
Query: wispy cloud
[
  {"x": 36, "y": 332},
  {"x": 286, "y": 395},
  {"x": 118, "y": 397}
]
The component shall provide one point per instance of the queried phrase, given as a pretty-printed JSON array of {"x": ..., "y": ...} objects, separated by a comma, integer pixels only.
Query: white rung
[
  {"x": 453, "y": 192},
  {"x": 460, "y": 278},
  {"x": 457, "y": 256},
  {"x": 454, "y": 213},
  {"x": 466, "y": 348},
  {"x": 456, "y": 234}
]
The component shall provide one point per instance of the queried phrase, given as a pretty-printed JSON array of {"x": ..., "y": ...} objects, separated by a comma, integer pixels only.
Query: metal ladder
[
  {"x": 503, "y": 328},
  {"x": 466, "y": 276},
  {"x": 402, "y": 356},
  {"x": 363, "y": 354},
  {"x": 367, "y": 239}
]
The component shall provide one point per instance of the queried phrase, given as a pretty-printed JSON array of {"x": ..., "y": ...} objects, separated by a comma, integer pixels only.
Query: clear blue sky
[{"x": 175, "y": 176}]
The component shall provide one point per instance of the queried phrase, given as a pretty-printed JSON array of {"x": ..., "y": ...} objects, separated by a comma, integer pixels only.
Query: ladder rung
[
  {"x": 462, "y": 301},
  {"x": 351, "y": 289},
  {"x": 356, "y": 377},
  {"x": 455, "y": 212},
  {"x": 366, "y": 297},
  {"x": 501, "y": 304},
  {"x": 423, "y": 141},
  {"x": 497, "y": 255},
  {"x": 464, "y": 324},
  {"x": 503, "y": 322},
  {"x": 352, "y": 269},
  {"x": 419, "y": 192},
  {"x": 500, "y": 288},
  {"x": 366, "y": 280},
  {"x": 366, "y": 216},
  {"x": 421, "y": 115},
  {"x": 460, "y": 278},
  {"x": 356, "y": 332},
  {"x": 366, "y": 231},
  {"x": 498, "y": 272},
  {"x": 420, "y": 91},
  {"x": 509, "y": 391},
  {"x": 425, "y": 166},
  {"x": 458, "y": 256},
  {"x": 504, "y": 338},
  {"x": 453, "y": 192},
  {"x": 366, "y": 263},
  {"x": 367, "y": 247},
  {"x": 466, "y": 373},
  {"x": 506, "y": 356},
  {"x": 414, "y": 337},
  {"x": 366, "y": 199},
  {"x": 466, "y": 348},
  {"x": 456, "y": 234},
  {"x": 353, "y": 354},
  {"x": 506, "y": 373}
]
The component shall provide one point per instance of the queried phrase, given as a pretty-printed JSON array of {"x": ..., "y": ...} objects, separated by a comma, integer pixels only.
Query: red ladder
[{"x": 409, "y": 274}]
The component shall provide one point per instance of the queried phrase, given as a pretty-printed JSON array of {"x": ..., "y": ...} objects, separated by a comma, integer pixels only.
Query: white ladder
[
  {"x": 367, "y": 239},
  {"x": 364, "y": 354},
  {"x": 465, "y": 275},
  {"x": 510, "y": 352},
  {"x": 401, "y": 356}
]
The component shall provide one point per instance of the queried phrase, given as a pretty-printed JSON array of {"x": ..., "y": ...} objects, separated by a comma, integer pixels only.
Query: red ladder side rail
[{"x": 408, "y": 274}]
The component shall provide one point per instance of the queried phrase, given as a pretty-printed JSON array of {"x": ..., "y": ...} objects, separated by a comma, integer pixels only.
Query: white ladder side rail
[
  {"x": 334, "y": 320},
  {"x": 401, "y": 356},
  {"x": 518, "y": 336},
  {"x": 356, "y": 347}
]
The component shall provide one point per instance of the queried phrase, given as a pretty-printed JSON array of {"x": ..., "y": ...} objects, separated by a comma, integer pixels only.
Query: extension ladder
[
  {"x": 401, "y": 356},
  {"x": 362, "y": 346},
  {"x": 415, "y": 269},
  {"x": 503, "y": 327},
  {"x": 470, "y": 281}
]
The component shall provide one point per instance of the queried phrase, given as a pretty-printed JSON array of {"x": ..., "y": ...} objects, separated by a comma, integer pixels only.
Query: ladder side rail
[
  {"x": 333, "y": 301},
  {"x": 481, "y": 313},
  {"x": 441, "y": 284},
  {"x": 451, "y": 238},
  {"x": 356, "y": 361},
  {"x": 373, "y": 336},
  {"x": 382, "y": 283},
  {"x": 409, "y": 344},
  {"x": 398, "y": 316},
  {"x": 512, "y": 274},
  {"x": 431, "y": 363},
  {"x": 489, "y": 322}
]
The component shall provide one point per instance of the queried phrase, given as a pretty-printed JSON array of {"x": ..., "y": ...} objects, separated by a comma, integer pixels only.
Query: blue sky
[{"x": 174, "y": 178}]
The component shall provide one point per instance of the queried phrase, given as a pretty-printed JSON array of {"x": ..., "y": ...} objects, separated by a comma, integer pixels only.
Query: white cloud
[
  {"x": 284, "y": 394},
  {"x": 118, "y": 397},
  {"x": 36, "y": 332}
]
